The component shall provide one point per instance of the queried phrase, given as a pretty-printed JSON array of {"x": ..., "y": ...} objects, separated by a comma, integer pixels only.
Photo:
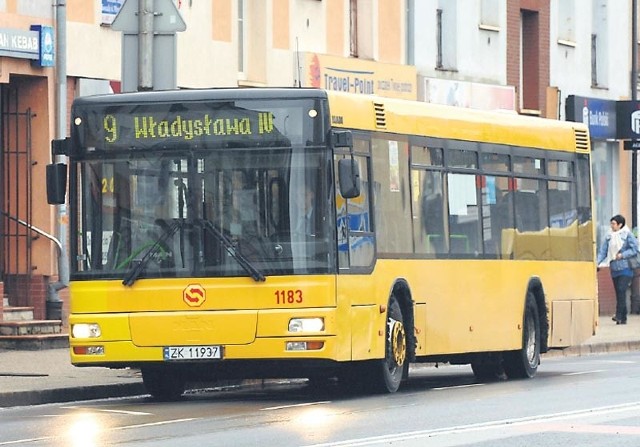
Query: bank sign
[
  {"x": 36, "y": 44},
  {"x": 598, "y": 114},
  {"x": 359, "y": 76}
]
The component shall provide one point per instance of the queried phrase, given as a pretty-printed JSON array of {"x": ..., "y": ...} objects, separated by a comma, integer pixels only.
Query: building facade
[{"x": 534, "y": 57}]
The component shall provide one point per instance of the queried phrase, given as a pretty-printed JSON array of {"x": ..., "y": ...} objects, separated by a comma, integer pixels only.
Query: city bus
[{"x": 432, "y": 234}]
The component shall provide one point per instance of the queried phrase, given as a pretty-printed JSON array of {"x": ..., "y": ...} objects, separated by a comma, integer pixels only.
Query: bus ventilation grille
[
  {"x": 582, "y": 140},
  {"x": 381, "y": 117}
]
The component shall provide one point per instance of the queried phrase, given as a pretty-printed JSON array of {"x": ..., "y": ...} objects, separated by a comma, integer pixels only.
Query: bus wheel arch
[
  {"x": 536, "y": 288},
  {"x": 402, "y": 294},
  {"x": 523, "y": 363},
  {"x": 386, "y": 374}
]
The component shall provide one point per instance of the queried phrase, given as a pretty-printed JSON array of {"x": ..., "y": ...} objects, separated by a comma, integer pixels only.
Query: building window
[
  {"x": 411, "y": 32},
  {"x": 530, "y": 60},
  {"x": 566, "y": 22},
  {"x": 446, "y": 33},
  {"x": 241, "y": 36},
  {"x": 599, "y": 60},
  {"x": 490, "y": 15},
  {"x": 353, "y": 28}
]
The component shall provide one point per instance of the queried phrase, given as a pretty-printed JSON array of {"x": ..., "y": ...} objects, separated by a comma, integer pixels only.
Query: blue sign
[
  {"x": 598, "y": 114},
  {"x": 46, "y": 48},
  {"x": 110, "y": 9}
]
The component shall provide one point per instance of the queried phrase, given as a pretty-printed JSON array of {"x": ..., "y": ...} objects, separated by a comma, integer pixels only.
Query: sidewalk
[{"x": 47, "y": 376}]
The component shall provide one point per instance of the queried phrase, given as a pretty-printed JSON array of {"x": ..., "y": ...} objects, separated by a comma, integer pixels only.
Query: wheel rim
[{"x": 398, "y": 342}]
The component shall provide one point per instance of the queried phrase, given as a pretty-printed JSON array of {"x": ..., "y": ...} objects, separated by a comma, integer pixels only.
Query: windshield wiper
[
  {"x": 140, "y": 265},
  {"x": 228, "y": 245}
]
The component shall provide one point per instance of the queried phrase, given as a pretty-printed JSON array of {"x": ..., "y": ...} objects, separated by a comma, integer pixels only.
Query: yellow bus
[{"x": 256, "y": 233}]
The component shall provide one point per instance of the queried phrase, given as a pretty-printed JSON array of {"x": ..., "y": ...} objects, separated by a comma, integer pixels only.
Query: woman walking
[{"x": 619, "y": 246}]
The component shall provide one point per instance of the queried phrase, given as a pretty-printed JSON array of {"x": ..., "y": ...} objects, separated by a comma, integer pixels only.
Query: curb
[
  {"x": 60, "y": 395},
  {"x": 599, "y": 348}
]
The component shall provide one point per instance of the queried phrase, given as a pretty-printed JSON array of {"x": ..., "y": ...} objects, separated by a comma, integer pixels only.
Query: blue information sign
[{"x": 598, "y": 114}]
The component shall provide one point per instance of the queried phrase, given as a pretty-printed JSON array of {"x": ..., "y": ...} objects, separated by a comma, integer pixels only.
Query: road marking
[
  {"x": 124, "y": 427},
  {"x": 154, "y": 424},
  {"x": 396, "y": 437},
  {"x": 584, "y": 428},
  {"x": 307, "y": 404},
  {"x": 104, "y": 410},
  {"x": 25, "y": 441},
  {"x": 130, "y": 413},
  {"x": 440, "y": 388},
  {"x": 580, "y": 373}
]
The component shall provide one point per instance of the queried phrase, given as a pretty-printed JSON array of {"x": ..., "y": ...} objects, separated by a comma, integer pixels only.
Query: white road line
[
  {"x": 106, "y": 410},
  {"x": 154, "y": 424},
  {"x": 384, "y": 439},
  {"x": 440, "y": 388},
  {"x": 24, "y": 441},
  {"x": 124, "y": 427},
  {"x": 580, "y": 373},
  {"x": 307, "y": 404},
  {"x": 130, "y": 413}
]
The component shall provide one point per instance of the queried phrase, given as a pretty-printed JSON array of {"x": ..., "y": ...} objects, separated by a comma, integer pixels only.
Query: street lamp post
[{"x": 634, "y": 96}]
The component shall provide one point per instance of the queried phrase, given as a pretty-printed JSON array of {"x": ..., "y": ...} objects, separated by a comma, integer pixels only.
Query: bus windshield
[{"x": 204, "y": 212}]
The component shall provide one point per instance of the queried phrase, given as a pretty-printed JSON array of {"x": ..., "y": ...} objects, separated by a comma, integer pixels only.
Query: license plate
[{"x": 172, "y": 353}]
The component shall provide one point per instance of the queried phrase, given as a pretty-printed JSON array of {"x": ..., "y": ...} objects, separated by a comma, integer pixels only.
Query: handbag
[{"x": 634, "y": 262}]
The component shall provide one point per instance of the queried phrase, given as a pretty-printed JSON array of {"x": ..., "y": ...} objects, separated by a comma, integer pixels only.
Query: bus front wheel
[
  {"x": 387, "y": 373},
  {"x": 163, "y": 384},
  {"x": 523, "y": 363}
]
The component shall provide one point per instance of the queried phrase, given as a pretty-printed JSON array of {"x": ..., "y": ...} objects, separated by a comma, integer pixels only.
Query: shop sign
[
  {"x": 628, "y": 120},
  {"x": 599, "y": 114},
  {"x": 359, "y": 76},
  {"x": 110, "y": 9},
  {"x": 35, "y": 44},
  {"x": 46, "y": 48},
  {"x": 473, "y": 95}
]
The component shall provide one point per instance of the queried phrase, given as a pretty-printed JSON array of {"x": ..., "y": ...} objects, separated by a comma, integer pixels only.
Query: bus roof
[
  {"x": 373, "y": 113},
  {"x": 458, "y": 123}
]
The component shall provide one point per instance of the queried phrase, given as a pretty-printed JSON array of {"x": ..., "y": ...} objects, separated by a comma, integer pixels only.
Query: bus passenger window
[
  {"x": 428, "y": 212},
  {"x": 497, "y": 213},
  {"x": 464, "y": 218}
]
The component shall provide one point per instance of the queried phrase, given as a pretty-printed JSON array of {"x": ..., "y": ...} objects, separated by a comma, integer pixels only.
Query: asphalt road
[{"x": 587, "y": 401}]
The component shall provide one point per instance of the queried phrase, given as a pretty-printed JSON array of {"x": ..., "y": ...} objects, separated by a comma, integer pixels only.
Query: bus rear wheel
[
  {"x": 523, "y": 363},
  {"x": 163, "y": 384}
]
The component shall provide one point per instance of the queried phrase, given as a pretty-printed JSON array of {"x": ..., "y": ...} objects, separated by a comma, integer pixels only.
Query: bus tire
[
  {"x": 488, "y": 369},
  {"x": 163, "y": 384},
  {"x": 523, "y": 363},
  {"x": 387, "y": 374}
]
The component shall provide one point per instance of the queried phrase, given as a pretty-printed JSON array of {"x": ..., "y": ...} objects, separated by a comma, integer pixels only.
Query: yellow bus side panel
[
  {"x": 570, "y": 322},
  {"x": 476, "y": 306}
]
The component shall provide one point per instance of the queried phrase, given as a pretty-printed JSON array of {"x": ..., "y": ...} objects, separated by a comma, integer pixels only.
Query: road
[{"x": 585, "y": 401}]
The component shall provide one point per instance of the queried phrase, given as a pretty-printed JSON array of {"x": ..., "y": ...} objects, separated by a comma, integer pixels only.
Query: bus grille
[
  {"x": 381, "y": 117},
  {"x": 582, "y": 140}
]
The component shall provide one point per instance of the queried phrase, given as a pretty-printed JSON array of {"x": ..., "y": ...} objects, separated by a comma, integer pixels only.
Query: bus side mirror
[
  {"x": 349, "y": 178},
  {"x": 56, "y": 183}
]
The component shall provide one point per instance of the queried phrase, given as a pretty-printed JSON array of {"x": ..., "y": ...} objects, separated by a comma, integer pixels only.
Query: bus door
[{"x": 356, "y": 239}]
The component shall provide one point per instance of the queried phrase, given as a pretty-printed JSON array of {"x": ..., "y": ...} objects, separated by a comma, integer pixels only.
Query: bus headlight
[
  {"x": 306, "y": 324},
  {"x": 86, "y": 330}
]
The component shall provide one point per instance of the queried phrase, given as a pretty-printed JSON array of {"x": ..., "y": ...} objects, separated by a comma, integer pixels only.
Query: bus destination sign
[{"x": 161, "y": 126}]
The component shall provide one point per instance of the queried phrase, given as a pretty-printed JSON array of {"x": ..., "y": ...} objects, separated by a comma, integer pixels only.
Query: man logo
[{"x": 635, "y": 122}]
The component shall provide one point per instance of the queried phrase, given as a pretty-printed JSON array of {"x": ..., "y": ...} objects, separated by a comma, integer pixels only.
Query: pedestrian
[{"x": 618, "y": 247}]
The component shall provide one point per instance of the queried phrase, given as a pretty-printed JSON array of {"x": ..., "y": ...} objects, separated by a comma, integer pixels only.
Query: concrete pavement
[{"x": 47, "y": 376}]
